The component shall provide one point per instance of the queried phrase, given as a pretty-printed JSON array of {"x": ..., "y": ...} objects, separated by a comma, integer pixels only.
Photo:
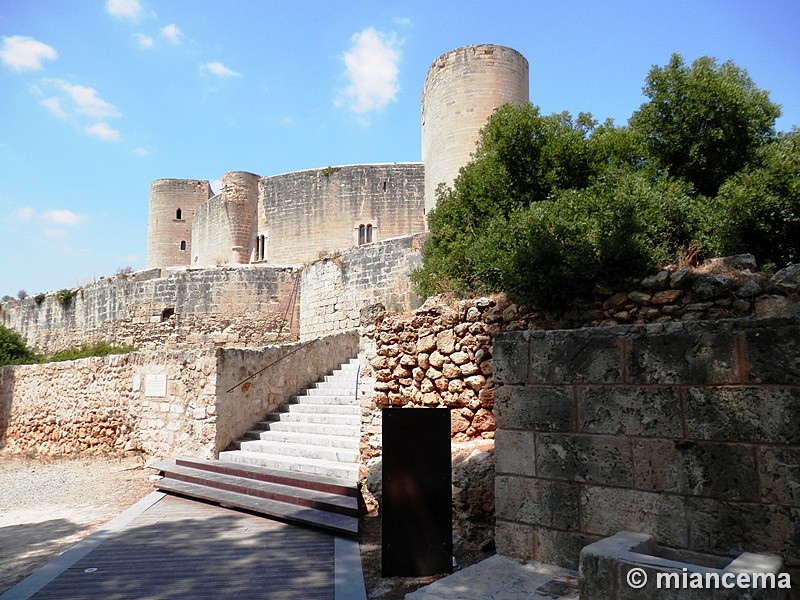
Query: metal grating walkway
[{"x": 179, "y": 548}]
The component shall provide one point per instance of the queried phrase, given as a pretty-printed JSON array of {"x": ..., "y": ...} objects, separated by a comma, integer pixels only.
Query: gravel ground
[{"x": 47, "y": 505}]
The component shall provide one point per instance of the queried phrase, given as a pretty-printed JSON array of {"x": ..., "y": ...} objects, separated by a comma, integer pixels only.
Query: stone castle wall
[
  {"x": 306, "y": 214},
  {"x": 210, "y": 307},
  {"x": 335, "y": 291},
  {"x": 159, "y": 403},
  {"x": 683, "y": 431}
]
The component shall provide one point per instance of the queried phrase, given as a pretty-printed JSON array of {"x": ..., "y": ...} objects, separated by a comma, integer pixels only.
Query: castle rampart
[
  {"x": 461, "y": 91},
  {"x": 244, "y": 306}
]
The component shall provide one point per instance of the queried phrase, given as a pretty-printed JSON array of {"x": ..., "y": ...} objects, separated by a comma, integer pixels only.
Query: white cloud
[
  {"x": 55, "y": 108},
  {"x": 24, "y": 53},
  {"x": 63, "y": 217},
  {"x": 26, "y": 213},
  {"x": 141, "y": 152},
  {"x": 372, "y": 71},
  {"x": 172, "y": 33},
  {"x": 103, "y": 131},
  {"x": 403, "y": 21},
  {"x": 144, "y": 41},
  {"x": 85, "y": 100},
  {"x": 220, "y": 70},
  {"x": 125, "y": 9}
]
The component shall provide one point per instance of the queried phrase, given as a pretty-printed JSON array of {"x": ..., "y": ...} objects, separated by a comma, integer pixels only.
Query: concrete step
[
  {"x": 329, "y": 391},
  {"x": 243, "y": 483},
  {"x": 328, "y": 409},
  {"x": 330, "y": 453},
  {"x": 314, "y": 439},
  {"x": 338, "y": 523},
  {"x": 326, "y": 468},
  {"x": 313, "y": 428},
  {"x": 346, "y": 400},
  {"x": 323, "y": 419}
]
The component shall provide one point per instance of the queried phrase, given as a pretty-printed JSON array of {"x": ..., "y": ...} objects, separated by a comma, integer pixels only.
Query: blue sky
[{"x": 100, "y": 97}]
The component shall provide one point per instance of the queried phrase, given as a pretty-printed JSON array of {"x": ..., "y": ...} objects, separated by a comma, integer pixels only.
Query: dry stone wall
[{"x": 209, "y": 307}]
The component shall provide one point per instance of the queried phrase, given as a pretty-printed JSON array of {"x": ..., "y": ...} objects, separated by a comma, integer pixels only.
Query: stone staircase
[
  {"x": 316, "y": 432},
  {"x": 300, "y": 464}
]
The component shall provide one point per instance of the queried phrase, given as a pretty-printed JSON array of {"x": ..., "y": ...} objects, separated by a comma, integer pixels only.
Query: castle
[{"x": 294, "y": 218}]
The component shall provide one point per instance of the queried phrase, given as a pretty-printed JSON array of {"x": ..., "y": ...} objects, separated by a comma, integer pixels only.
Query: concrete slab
[{"x": 503, "y": 578}]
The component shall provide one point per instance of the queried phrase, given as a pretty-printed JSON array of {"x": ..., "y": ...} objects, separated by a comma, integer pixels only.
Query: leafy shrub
[
  {"x": 87, "y": 351},
  {"x": 760, "y": 207},
  {"x": 65, "y": 296},
  {"x": 13, "y": 349}
]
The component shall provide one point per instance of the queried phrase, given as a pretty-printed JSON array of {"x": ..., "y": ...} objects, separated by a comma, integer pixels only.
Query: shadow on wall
[{"x": 7, "y": 378}]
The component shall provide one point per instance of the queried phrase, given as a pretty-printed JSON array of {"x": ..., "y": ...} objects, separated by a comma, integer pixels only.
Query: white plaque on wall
[{"x": 155, "y": 385}]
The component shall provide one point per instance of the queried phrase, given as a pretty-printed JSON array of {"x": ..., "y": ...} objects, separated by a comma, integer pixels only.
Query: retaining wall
[
  {"x": 208, "y": 307},
  {"x": 159, "y": 403},
  {"x": 684, "y": 431}
]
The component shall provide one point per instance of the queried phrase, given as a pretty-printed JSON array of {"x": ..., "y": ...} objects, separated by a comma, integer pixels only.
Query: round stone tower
[
  {"x": 240, "y": 195},
  {"x": 461, "y": 91},
  {"x": 173, "y": 203}
]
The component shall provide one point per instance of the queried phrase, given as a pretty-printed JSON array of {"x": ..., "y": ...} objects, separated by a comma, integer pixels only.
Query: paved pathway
[{"x": 169, "y": 547}]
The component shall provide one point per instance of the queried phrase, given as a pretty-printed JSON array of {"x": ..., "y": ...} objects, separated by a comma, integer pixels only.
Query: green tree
[
  {"x": 13, "y": 350},
  {"x": 705, "y": 122},
  {"x": 760, "y": 207}
]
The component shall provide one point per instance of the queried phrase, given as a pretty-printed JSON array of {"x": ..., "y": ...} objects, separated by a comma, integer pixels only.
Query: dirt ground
[{"x": 47, "y": 505}]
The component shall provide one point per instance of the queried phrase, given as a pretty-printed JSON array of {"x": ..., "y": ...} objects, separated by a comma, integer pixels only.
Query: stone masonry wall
[
  {"x": 306, "y": 214},
  {"x": 187, "y": 308},
  {"x": 335, "y": 291},
  {"x": 684, "y": 431},
  {"x": 158, "y": 403}
]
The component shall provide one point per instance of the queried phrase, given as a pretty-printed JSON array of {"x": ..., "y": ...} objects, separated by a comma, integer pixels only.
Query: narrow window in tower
[
  {"x": 183, "y": 244},
  {"x": 178, "y": 214},
  {"x": 369, "y": 233},
  {"x": 384, "y": 186},
  {"x": 262, "y": 251},
  {"x": 362, "y": 235}
]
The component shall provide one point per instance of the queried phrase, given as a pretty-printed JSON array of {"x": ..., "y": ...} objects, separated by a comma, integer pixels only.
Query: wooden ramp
[
  {"x": 179, "y": 548},
  {"x": 312, "y": 500}
]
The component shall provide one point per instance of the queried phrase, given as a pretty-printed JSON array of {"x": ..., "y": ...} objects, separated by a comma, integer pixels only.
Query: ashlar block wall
[{"x": 689, "y": 432}]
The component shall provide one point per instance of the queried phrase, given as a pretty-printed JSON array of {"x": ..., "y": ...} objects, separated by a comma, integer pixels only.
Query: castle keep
[{"x": 296, "y": 217}]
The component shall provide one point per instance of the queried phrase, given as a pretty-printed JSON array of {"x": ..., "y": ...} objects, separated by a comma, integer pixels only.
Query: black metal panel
[{"x": 416, "y": 512}]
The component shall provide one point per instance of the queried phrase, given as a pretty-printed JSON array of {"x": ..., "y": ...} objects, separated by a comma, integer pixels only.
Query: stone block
[
  {"x": 724, "y": 471},
  {"x": 579, "y": 356},
  {"x": 609, "y": 510},
  {"x": 537, "y": 502},
  {"x": 515, "y": 539},
  {"x": 630, "y": 411},
  {"x": 510, "y": 358},
  {"x": 588, "y": 458},
  {"x": 515, "y": 452},
  {"x": 537, "y": 408},
  {"x": 747, "y": 414},
  {"x": 697, "y": 357},
  {"x": 728, "y": 528},
  {"x": 779, "y": 475},
  {"x": 773, "y": 354},
  {"x": 562, "y": 548}
]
